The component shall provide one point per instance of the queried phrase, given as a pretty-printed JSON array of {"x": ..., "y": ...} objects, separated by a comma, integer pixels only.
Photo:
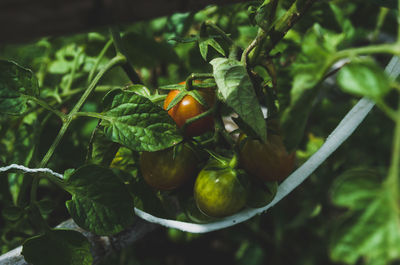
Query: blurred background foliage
[{"x": 321, "y": 222}]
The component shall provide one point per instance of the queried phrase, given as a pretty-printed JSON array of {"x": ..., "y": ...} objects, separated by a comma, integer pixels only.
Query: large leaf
[
  {"x": 134, "y": 121},
  {"x": 370, "y": 229},
  {"x": 100, "y": 201},
  {"x": 237, "y": 90},
  {"x": 61, "y": 247},
  {"x": 15, "y": 82},
  {"x": 364, "y": 79}
]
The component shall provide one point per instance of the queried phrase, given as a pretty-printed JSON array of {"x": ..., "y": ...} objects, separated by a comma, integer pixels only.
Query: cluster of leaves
[{"x": 293, "y": 80}]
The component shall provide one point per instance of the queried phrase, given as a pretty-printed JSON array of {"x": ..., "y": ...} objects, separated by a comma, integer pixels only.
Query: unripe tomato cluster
[{"x": 221, "y": 187}]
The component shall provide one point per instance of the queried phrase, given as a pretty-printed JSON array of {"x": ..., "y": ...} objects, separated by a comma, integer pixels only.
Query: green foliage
[
  {"x": 16, "y": 82},
  {"x": 364, "y": 79},
  {"x": 317, "y": 48},
  {"x": 238, "y": 93},
  {"x": 64, "y": 247},
  {"x": 370, "y": 227},
  {"x": 100, "y": 201},
  {"x": 135, "y": 122}
]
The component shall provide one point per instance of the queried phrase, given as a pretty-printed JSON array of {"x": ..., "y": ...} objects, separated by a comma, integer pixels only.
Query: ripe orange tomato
[{"x": 188, "y": 108}]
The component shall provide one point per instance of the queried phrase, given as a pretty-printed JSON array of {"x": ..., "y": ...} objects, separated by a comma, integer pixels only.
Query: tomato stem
[
  {"x": 392, "y": 181},
  {"x": 198, "y": 117},
  {"x": 234, "y": 161}
]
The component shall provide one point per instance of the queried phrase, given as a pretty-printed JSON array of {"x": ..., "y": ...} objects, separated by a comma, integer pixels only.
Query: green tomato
[
  {"x": 164, "y": 170},
  {"x": 218, "y": 190}
]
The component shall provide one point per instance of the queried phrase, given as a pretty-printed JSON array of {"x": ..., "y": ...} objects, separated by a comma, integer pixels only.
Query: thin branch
[{"x": 287, "y": 21}]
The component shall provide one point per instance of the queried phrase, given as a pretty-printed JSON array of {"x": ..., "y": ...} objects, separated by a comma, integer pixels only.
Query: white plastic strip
[
  {"x": 345, "y": 128},
  {"x": 31, "y": 170}
]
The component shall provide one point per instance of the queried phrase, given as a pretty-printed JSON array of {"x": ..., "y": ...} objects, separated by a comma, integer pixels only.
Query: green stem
[
  {"x": 91, "y": 114},
  {"x": 73, "y": 71},
  {"x": 391, "y": 113},
  {"x": 195, "y": 76},
  {"x": 99, "y": 58},
  {"x": 196, "y": 118},
  {"x": 234, "y": 161},
  {"x": 255, "y": 43},
  {"x": 55, "y": 143},
  {"x": 286, "y": 22},
  {"x": 392, "y": 182},
  {"x": 68, "y": 119},
  {"x": 372, "y": 49},
  {"x": 380, "y": 20},
  {"x": 398, "y": 21},
  {"x": 46, "y": 106},
  {"x": 118, "y": 59}
]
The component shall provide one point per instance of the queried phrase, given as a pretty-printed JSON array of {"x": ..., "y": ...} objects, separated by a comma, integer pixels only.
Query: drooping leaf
[
  {"x": 15, "y": 82},
  {"x": 364, "y": 79},
  {"x": 237, "y": 90},
  {"x": 59, "y": 246},
  {"x": 370, "y": 229},
  {"x": 137, "y": 123},
  {"x": 100, "y": 201},
  {"x": 203, "y": 46}
]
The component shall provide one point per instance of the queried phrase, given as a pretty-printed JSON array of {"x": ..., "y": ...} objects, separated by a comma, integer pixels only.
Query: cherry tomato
[
  {"x": 162, "y": 171},
  {"x": 188, "y": 108},
  {"x": 218, "y": 191},
  {"x": 267, "y": 161}
]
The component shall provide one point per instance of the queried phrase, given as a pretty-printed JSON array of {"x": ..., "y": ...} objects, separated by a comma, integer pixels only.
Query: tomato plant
[
  {"x": 169, "y": 169},
  {"x": 94, "y": 108}
]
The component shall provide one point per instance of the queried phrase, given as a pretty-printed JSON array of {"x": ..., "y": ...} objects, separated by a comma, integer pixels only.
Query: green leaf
[
  {"x": 203, "y": 46},
  {"x": 355, "y": 188},
  {"x": 364, "y": 79},
  {"x": 237, "y": 90},
  {"x": 103, "y": 149},
  {"x": 61, "y": 247},
  {"x": 137, "y": 123},
  {"x": 100, "y": 201},
  {"x": 15, "y": 82},
  {"x": 12, "y": 213},
  {"x": 370, "y": 228}
]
